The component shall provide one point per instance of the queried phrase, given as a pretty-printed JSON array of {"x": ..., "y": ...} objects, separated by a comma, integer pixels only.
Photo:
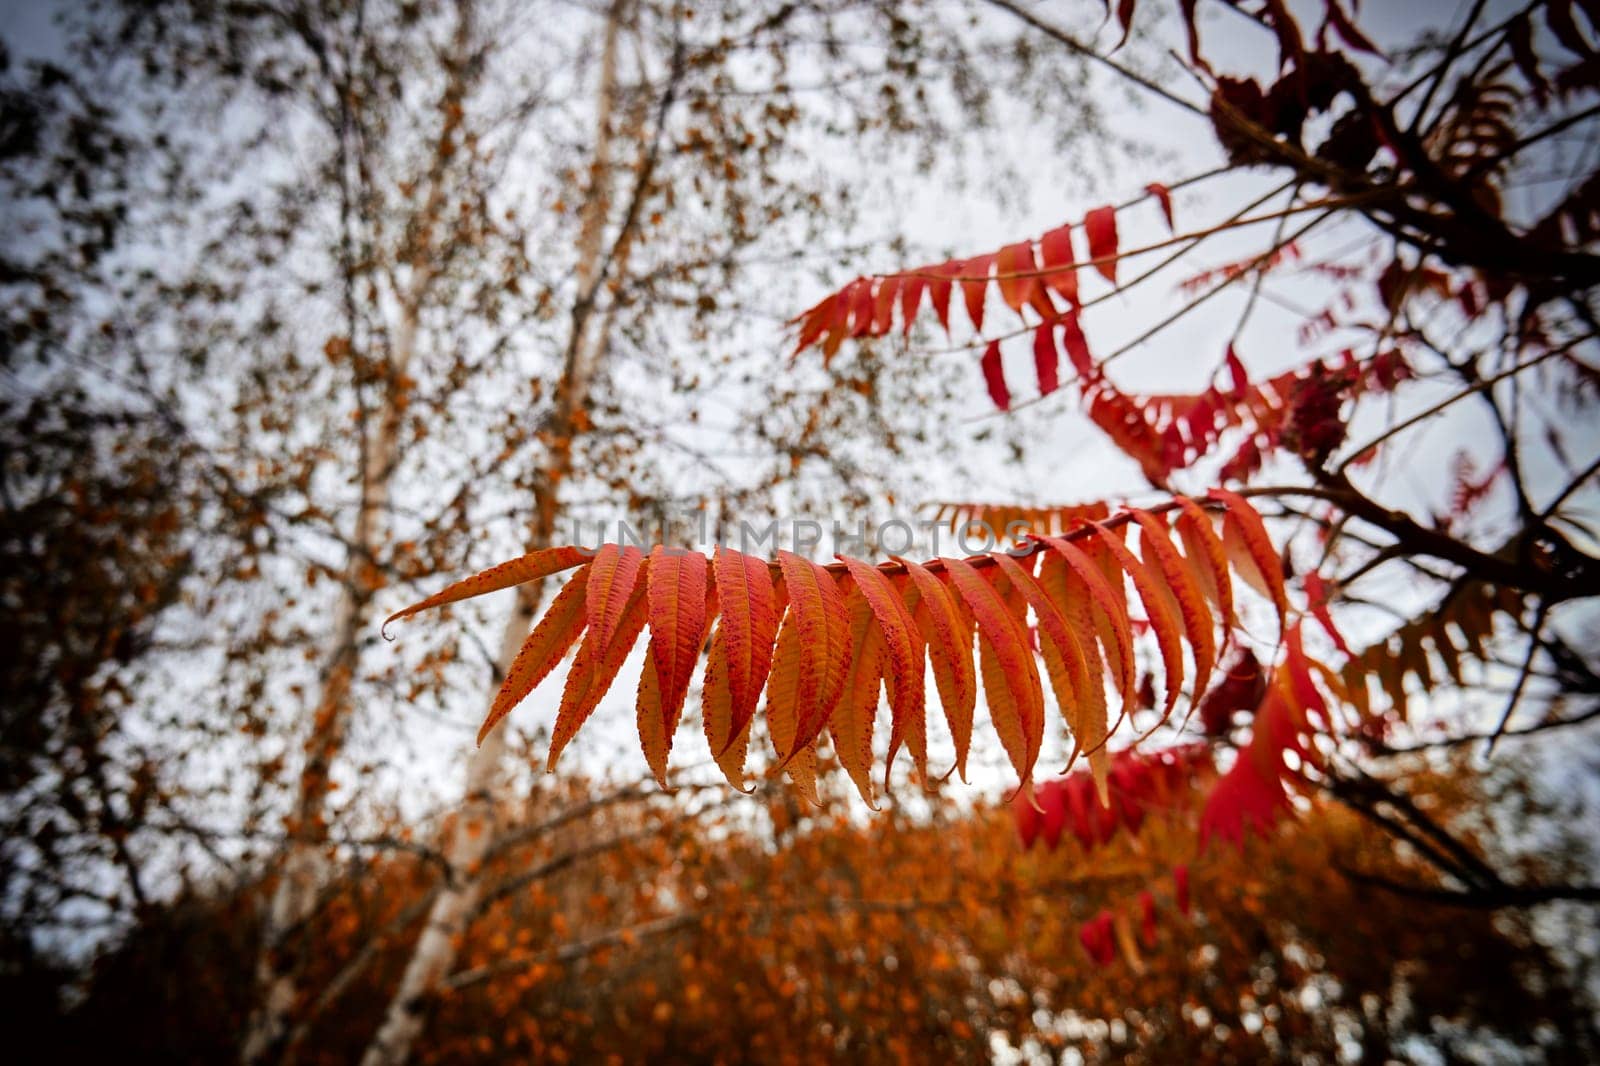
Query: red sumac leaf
[
  {"x": 1317, "y": 594},
  {"x": 1163, "y": 620},
  {"x": 1010, "y": 676},
  {"x": 994, "y": 376},
  {"x": 1164, "y": 198},
  {"x": 530, "y": 567},
  {"x": 1100, "y": 225},
  {"x": 939, "y": 291},
  {"x": 550, "y": 640},
  {"x": 948, "y": 634},
  {"x": 677, "y": 583},
  {"x": 883, "y": 310},
  {"x": 749, "y": 624},
  {"x": 851, "y": 724},
  {"x": 1046, "y": 359},
  {"x": 1055, "y": 256},
  {"x": 616, "y": 606},
  {"x": 817, "y": 613},
  {"x": 1016, "y": 271},
  {"x": 1077, "y": 347},
  {"x": 911, "y": 300},
  {"x": 903, "y": 643},
  {"x": 1247, "y": 539},
  {"x": 974, "y": 287}
]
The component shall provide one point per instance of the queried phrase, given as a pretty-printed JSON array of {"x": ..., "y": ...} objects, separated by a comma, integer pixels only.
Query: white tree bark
[
  {"x": 302, "y": 877},
  {"x": 434, "y": 956}
]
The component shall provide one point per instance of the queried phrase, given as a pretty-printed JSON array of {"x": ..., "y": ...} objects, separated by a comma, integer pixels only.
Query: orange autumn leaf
[
  {"x": 822, "y": 632},
  {"x": 530, "y": 567},
  {"x": 1010, "y": 677},
  {"x": 599, "y": 658},
  {"x": 1108, "y": 601},
  {"x": 903, "y": 644},
  {"x": 783, "y": 714},
  {"x": 1245, "y": 537},
  {"x": 1163, "y": 621},
  {"x": 949, "y": 639},
  {"x": 750, "y": 610},
  {"x": 550, "y": 640},
  {"x": 851, "y": 725},
  {"x": 677, "y": 586},
  {"x": 1063, "y": 655},
  {"x": 1206, "y": 556},
  {"x": 1186, "y": 591}
]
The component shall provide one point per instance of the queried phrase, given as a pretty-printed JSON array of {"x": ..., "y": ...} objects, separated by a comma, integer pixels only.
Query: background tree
[
  {"x": 902, "y": 936},
  {"x": 369, "y": 237}
]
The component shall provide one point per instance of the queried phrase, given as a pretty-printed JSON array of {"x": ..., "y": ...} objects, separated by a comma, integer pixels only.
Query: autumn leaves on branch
[{"x": 821, "y": 639}]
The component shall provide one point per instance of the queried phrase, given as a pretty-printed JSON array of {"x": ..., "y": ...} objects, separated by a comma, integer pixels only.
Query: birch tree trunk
[
  {"x": 434, "y": 955},
  {"x": 301, "y": 878}
]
